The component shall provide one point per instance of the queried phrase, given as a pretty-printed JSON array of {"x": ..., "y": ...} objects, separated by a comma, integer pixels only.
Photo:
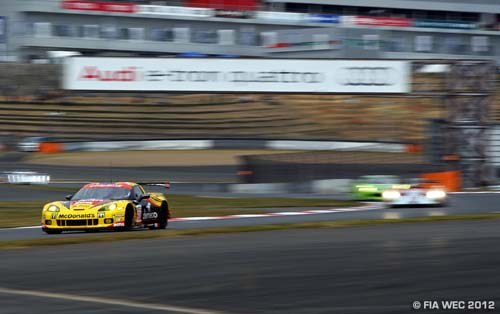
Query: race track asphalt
[
  {"x": 459, "y": 204},
  {"x": 376, "y": 269}
]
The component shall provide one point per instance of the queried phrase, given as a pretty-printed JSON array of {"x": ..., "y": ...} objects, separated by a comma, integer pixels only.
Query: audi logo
[{"x": 367, "y": 76}]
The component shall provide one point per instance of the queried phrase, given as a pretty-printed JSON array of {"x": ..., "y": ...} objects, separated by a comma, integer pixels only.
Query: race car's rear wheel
[
  {"x": 52, "y": 231},
  {"x": 163, "y": 217}
]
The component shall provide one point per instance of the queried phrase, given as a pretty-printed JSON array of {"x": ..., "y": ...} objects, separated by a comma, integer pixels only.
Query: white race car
[
  {"x": 422, "y": 194},
  {"x": 25, "y": 177}
]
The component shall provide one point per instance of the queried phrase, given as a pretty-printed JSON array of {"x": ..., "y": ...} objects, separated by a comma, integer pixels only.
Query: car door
[{"x": 147, "y": 210}]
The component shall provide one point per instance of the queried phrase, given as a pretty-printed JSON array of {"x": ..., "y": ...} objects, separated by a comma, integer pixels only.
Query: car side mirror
[
  {"x": 142, "y": 197},
  {"x": 68, "y": 197}
]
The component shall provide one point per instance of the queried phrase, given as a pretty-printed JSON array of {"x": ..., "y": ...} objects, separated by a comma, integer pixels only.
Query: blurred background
[{"x": 444, "y": 120}]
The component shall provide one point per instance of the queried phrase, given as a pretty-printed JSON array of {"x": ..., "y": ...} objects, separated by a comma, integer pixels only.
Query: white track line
[
  {"x": 369, "y": 206},
  {"x": 99, "y": 300}
]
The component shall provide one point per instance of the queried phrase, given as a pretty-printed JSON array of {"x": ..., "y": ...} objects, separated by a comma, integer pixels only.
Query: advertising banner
[
  {"x": 234, "y": 14},
  {"x": 281, "y": 16},
  {"x": 241, "y": 5},
  {"x": 444, "y": 24},
  {"x": 236, "y": 75},
  {"x": 99, "y": 6},
  {"x": 3, "y": 29},
  {"x": 174, "y": 11},
  {"x": 323, "y": 18},
  {"x": 376, "y": 21}
]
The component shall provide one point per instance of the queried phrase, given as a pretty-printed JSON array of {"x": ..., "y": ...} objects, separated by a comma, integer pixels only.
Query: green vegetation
[
  {"x": 27, "y": 213},
  {"x": 114, "y": 236}
]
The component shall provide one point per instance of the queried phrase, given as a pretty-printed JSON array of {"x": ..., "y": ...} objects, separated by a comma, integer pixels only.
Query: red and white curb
[{"x": 369, "y": 206}]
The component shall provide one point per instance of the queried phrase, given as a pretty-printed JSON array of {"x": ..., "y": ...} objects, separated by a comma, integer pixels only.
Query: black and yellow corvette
[{"x": 118, "y": 206}]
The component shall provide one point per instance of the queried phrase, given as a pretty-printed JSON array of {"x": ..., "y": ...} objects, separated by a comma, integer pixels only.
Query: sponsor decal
[
  {"x": 367, "y": 76},
  {"x": 85, "y": 202},
  {"x": 175, "y": 10},
  {"x": 224, "y": 4},
  {"x": 323, "y": 18},
  {"x": 153, "y": 215},
  {"x": 107, "y": 185},
  {"x": 119, "y": 224},
  {"x": 3, "y": 28},
  {"x": 376, "y": 21},
  {"x": 445, "y": 24},
  {"x": 129, "y": 74},
  {"x": 99, "y": 6},
  {"x": 101, "y": 215},
  {"x": 139, "y": 213},
  {"x": 133, "y": 74},
  {"x": 233, "y": 75},
  {"x": 76, "y": 216},
  {"x": 54, "y": 215},
  {"x": 234, "y": 14}
]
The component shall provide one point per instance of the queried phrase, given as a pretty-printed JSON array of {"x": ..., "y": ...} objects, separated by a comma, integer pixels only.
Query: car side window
[{"x": 137, "y": 192}]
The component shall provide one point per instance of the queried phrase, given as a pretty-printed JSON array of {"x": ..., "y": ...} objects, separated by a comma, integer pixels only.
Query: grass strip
[
  {"x": 138, "y": 235},
  {"x": 28, "y": 213}
]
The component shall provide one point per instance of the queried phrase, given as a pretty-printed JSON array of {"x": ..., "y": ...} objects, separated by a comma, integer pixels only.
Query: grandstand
[{"x": 398, "y": 29}]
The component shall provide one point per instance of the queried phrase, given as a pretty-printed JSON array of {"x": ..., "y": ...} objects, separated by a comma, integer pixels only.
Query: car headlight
[
  {"x": 436, "y": 194},
  {"x": 391, "y": 195},
  {"x": 108, "y": 207},
  {"x": 53, "y": 208}
]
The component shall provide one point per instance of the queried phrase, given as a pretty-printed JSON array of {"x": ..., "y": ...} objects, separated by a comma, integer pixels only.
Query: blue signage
[
  {"x": 444, "y": 24},
  {"x": 323, "y": 18},
  {"x": 3, "y": 29}
]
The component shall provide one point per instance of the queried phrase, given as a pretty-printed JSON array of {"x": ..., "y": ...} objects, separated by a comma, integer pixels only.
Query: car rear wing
[{"x": 163, "y": 184}]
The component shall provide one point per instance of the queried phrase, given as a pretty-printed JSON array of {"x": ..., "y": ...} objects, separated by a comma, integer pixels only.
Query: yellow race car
[{"x": 118, "y": 206}]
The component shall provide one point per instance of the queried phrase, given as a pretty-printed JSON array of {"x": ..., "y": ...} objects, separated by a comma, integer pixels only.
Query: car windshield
[{"x": 102, "y": 193}]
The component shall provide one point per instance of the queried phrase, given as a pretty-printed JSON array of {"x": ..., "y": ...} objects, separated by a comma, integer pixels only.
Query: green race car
[{"x": 371, "y": 187}]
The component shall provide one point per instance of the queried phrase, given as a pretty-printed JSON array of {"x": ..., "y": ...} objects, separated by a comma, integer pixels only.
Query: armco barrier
[
  {"x": 139, "y": 145},
  {"x": 235, "y": 143},
  {"x": 337, "y": 145},
  {"x": 331, "y": 186},
  {"x": 259, "y": 188}
]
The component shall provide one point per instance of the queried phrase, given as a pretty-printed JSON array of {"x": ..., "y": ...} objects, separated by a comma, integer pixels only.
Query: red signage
[
  {"x": 381, "y": 21},
  {"x": 99, "y": 6},
  {"x": 128, "y": 74},
  {"x": 243, "y": 5}
]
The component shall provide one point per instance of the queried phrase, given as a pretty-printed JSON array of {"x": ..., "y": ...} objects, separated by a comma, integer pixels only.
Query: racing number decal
[{"x": 149, "y": 213}]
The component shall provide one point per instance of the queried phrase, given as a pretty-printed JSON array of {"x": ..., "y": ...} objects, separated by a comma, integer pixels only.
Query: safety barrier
[{"x": 222, "y": 144}]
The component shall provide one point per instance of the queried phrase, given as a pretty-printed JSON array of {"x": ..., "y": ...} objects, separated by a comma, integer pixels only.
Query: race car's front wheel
[{"x": 129, "y": 218}]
